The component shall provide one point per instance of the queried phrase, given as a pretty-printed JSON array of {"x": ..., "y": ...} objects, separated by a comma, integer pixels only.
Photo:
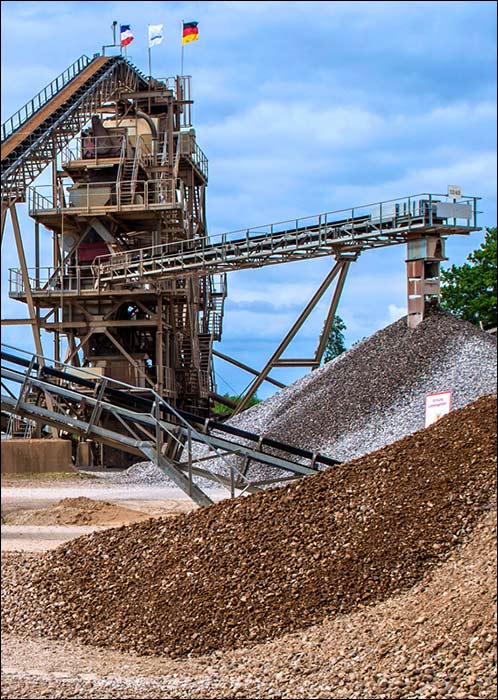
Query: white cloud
[{"x": 395, "y": 312}]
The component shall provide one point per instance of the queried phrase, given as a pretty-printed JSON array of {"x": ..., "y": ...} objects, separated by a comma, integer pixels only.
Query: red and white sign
[{"x": 437, "y": 406}]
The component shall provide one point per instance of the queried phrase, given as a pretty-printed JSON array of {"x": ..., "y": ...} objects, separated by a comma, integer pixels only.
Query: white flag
[{"x": 155, "y": 34}]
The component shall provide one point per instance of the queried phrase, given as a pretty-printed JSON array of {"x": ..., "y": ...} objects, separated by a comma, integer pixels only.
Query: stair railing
[{"x": 122, "y": 155}]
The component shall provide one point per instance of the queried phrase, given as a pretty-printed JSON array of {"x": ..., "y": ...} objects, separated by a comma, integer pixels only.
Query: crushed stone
[
  {"x": 374, "y": 394},
  {"x": 438, "y": 639},
  {"x": 364, "y": 399},
  {"x": 252, "y": 569}
]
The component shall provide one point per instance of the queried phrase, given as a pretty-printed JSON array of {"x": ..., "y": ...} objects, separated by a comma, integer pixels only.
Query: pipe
[{"x": 149, "y": 121}]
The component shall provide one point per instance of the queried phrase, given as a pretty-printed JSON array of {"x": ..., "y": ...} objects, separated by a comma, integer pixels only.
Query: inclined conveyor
[{"x": 147, "y": 422}]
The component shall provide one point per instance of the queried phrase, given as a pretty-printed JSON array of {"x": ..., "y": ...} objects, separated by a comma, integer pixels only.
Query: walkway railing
[
  {"x": 112, "y": 196},
  {"x": 382, "y": 223}
]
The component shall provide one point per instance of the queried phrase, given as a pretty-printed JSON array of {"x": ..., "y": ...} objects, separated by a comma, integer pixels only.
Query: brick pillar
[{"x": 424, "y": 256}]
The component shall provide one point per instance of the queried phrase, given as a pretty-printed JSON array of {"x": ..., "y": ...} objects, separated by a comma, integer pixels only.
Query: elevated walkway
[{"x": 344, "y": 233}]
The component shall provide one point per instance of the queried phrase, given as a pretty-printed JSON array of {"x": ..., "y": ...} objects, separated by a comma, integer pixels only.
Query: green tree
[
  {"x": 335, "y": 343},
  {"x": 223, "y": 410},
  {"x": 469, "y": 291}
]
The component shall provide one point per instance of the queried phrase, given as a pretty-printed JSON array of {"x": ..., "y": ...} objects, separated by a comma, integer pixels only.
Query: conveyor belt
[
  {"x": 30, "y": 147},
  {"x": 310, "y": 237},
  {"x": 141, "y": 418},
  {"x": 48, "y": 110},
  {"x": 124, "y": 399}
]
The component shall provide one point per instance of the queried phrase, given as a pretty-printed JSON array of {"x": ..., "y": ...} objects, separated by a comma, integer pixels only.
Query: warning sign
[{"x": 437, "y": 406}]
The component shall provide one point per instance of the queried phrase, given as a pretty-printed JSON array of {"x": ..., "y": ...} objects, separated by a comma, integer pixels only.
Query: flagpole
[
  {"x": 183, "y": 47},
  {"x": 150, "y": 64}
]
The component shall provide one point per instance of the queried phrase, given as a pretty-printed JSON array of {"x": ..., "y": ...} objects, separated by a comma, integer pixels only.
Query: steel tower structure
[
  {"x": 137, "y": 286},
  {"x": 135, "y": 178}
]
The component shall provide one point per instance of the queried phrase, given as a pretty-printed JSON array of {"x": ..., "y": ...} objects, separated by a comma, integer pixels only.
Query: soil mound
[
  {"x": 253, "y": 568},
  {"x": 79, "y": 511}
]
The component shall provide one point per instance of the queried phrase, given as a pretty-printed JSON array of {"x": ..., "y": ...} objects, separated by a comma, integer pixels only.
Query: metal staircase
[{"x": 19, "y": 428}]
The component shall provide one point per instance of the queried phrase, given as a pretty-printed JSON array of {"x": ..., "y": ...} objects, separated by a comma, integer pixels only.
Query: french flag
[{"x": 126, "y": 35}]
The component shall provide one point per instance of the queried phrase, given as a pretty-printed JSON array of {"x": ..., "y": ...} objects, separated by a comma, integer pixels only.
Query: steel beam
[
  {"x": 245, "y": 367},
  {"x": 289, "y": 336},
  {"x": 332, "y": 312}
]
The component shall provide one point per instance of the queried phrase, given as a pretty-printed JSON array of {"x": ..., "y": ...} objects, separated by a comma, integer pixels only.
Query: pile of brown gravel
[
  {"x": 438, "y": 639},
  {"x": 78, "y": 511},
  {"x": 254, "y": 568}
]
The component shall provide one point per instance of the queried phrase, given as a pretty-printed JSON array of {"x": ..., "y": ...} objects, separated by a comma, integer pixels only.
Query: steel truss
[{"x": 148, "y": 425}]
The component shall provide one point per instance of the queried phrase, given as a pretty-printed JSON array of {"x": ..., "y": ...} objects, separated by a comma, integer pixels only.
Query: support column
[
  {"x": 332, "y": 312},
  {"x": 424, "y": 256},
  {"x": 5, "y": 208},
  {"x": 35, "y": 327},
  {"x": 25, "y": 276},
  {"x": 159, "y": 346}
]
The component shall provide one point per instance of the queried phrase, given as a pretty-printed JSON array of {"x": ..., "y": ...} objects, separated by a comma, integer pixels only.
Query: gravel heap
[
  {"x": 142, "y": 473},
  {"x": 366, "y": 398},
  {"x": 438, "y": 639},
  {"x": 148, "y": 473},
  {"x": 375, "y": 393},
  {"x": 78, "y": 511},
  {"x": 252, "y": 569}
]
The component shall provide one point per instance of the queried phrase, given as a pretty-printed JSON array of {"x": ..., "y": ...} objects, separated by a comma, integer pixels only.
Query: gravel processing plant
[{"x": 328, "y": 542}]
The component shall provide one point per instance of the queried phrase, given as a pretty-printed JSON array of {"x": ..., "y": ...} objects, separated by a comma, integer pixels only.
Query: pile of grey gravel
[
  {"x": 142, "y": 473},
  {"x": 373, "y": 394},
  {"x": 149, "y": 474}
]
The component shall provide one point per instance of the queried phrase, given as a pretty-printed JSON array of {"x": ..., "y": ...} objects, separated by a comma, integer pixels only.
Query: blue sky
[{"x": 301, "y": 107}]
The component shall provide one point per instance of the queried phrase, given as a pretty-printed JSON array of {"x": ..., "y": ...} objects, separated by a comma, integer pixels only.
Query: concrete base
[{"x": 33, "y": 456}]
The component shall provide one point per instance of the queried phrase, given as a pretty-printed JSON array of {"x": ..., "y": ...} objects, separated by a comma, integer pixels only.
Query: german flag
[{"x": 190, "y": 32}]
